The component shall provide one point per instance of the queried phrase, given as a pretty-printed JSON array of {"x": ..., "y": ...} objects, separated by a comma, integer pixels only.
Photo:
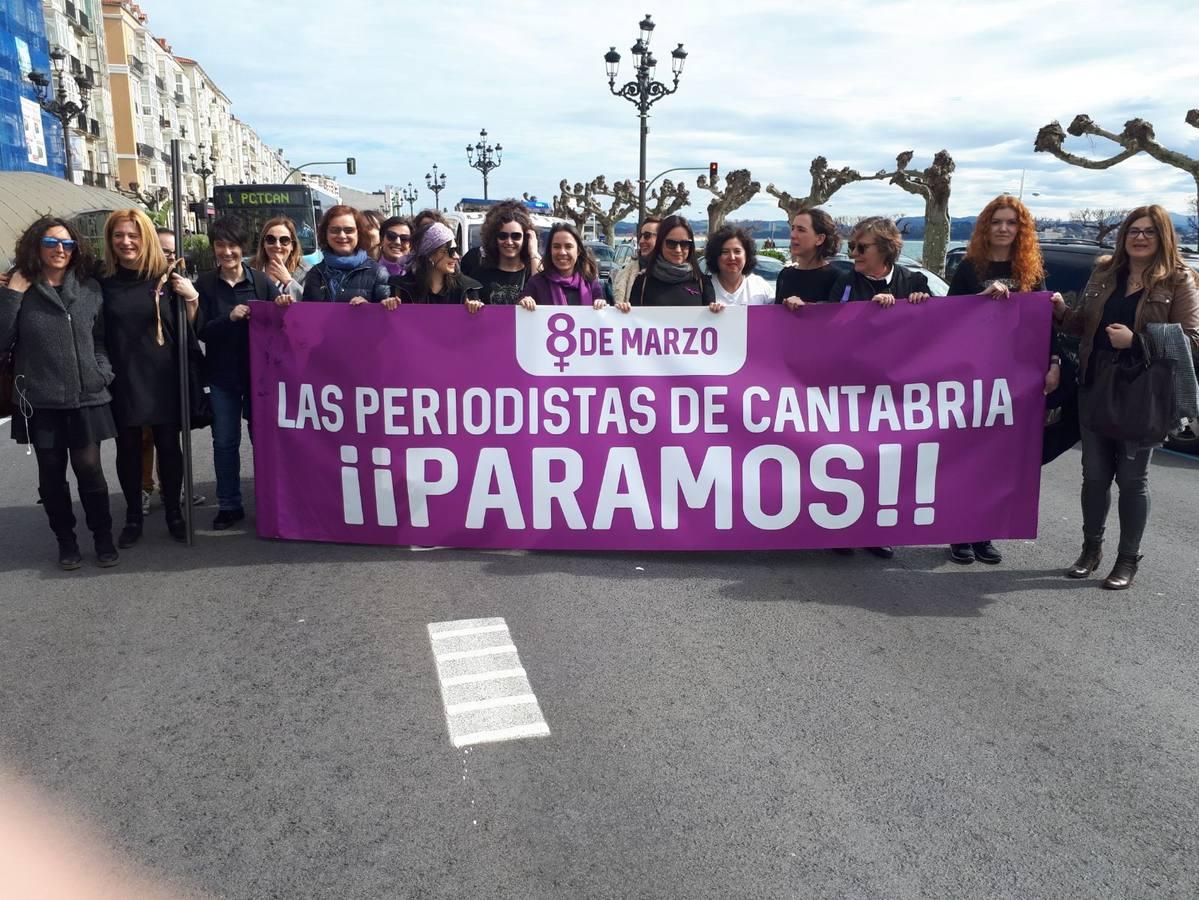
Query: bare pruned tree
[
  {"x": 1102, "y": 221},
  {"x": 667, "y": 200},
  {"x": 825, "y": 183},
  {"x": 580, "y": 203},
  {"x": 1137, "y": 137},
  {"x": 739, "y": 189},
  {"x": 933, "y": 184}
]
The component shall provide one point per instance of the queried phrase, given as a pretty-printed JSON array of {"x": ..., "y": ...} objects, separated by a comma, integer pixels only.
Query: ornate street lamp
[
  {"x": 484, "y": 157},
  {"x": 60, "y": 106},
  {"x": 643, "y": 91},
  {"x": 436, "y": 186},
  {"x": 409, "y": 195},
  {"x": 204, "y": 171}
]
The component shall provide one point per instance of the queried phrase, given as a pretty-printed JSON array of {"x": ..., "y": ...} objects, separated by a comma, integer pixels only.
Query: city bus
[{"x": 256, "y": 204}]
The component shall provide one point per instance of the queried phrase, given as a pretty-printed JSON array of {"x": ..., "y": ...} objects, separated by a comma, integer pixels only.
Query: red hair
[{"x": 1028, "y": 268}]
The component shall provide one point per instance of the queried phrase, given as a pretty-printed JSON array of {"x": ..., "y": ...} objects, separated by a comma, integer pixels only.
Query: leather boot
[
  {"x": 175, "y": 523},
  {"x": 57, "y": 503},
  {"x": 1123, "y": 572},
  {"x": 132, "y": 532},
  {"x": 1088, "y": 561},
  {"x": 99, "y": 519}
]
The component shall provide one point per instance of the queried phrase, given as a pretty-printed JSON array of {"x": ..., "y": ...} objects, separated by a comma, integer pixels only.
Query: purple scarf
[{"x": 575, "y": 281}]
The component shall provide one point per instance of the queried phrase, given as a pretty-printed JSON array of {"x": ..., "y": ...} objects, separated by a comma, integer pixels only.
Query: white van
[{"x": 467, "y": 221}]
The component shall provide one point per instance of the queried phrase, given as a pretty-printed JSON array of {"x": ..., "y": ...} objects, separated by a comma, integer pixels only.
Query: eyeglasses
[
  {"x": 514, "y": 237},
  {"x": 648, "y": 235},
  {"x": 1147, "y": 233},
  {"x": 672, "y": 244},
  {"x": 396, "y": 238},
  {"x": 52, "y": 242},
  {"x": 283, "y": 240},
  {"x": 855, "y": 246},
  {"x": 170, "y": 255},
  {"x": 340, "y": 229}
]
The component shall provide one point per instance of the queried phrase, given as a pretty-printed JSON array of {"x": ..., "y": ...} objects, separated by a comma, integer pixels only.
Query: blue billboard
[{"x": 30, "y": 139}]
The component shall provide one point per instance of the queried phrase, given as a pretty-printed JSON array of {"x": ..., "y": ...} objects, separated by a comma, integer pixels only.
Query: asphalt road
[{"x": 254, "y": 719}]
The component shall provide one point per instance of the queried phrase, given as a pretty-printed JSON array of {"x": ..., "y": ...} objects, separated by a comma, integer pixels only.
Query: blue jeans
[{"x": 227, "y": 407}]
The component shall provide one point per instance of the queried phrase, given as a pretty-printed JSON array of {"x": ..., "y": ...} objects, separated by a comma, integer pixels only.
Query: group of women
[{"x": 97, "y": 350}]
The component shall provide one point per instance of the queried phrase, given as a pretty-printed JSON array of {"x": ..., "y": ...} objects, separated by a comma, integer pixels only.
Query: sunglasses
[
  {"x": 672, "y": 244},
  {"x": 514, "y": 236},
  {"x": 339, "y": 229},
  {"x": 450, "y": 249},
  {"x": 282, "y": 241},
  {"x": 51, "y": 242},
  {"x": 396, "y": 238},
  {"x": 648, "y": 235},
  {"x": 855, "y": 246}
]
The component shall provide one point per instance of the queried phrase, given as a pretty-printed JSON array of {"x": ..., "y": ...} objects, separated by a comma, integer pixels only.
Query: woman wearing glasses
[
  {"x": 671, "y": 276},
  {"x": 571, "y": 279},
  {"x": 346, "y": 274},
  {"x": 874, "y": 246},
  {"x": 51, "y": 316},
  {"x": 396, "y": 233},
  {"x": 647, "y": 236},
  {"x": 1144, "y": 281},
  {"x": 433, "y": 275},
  {"x": 505, "y": 265},
  {"x": 280, "y": 258}
]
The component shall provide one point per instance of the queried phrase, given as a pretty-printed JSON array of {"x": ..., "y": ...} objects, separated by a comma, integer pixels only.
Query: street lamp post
[
  {"x": 409, "y": 195},
  {"x": 436, "y": 186},
  {"x": 204, "y": 172},
  {"x": 61, "y": 107},
  {"x": 484, "y": 157},
  {"x": 643, "y": 91}
]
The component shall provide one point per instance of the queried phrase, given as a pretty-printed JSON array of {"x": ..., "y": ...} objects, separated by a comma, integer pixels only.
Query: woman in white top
[{"x": 731, "y": 257}]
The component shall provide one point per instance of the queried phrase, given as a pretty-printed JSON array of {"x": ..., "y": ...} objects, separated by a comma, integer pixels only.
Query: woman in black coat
[
  {"x": 671, "y": 276},
  {"x": 874, "y": 247},
  {"x": 347, "y": 273},
  {"x": 51, "y": 316},
  {"x": 141, "y": 303},
  {"x": 432, "y": 275}
]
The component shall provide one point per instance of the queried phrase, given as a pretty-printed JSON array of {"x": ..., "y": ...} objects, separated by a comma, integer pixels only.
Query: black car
[{"x": 1068, "y": 265}]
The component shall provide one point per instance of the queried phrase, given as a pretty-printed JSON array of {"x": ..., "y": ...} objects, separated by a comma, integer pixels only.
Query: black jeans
[
  {"x": 52, "y": 469},
  {"x": 129, "y": 467},
  {"x": 1104, "y": 460}
]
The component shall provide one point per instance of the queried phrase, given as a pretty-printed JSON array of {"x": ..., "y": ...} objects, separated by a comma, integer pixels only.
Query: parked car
[
  {"x": 1068, "y": 265},
  {"x": 605, "y": 258},
  {"x": 768, "y": 267}
]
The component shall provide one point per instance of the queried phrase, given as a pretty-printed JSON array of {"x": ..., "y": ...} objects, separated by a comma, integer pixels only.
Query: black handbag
[
  {"x": 8, "y": 366},
  {"x": 1131, "y": 397}
]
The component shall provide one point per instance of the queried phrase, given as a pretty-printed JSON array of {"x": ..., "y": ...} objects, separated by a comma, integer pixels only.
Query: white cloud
[{"x": 767, "y": 86}]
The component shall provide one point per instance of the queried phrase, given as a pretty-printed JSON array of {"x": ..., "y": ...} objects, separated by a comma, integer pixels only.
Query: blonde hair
[
  {"x": 1165, "y": 264},
  {"x": 150, "y": 262}
]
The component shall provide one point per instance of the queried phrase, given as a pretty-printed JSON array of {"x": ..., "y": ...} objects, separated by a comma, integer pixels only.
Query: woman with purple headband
[{"x": 432, "y": 275}]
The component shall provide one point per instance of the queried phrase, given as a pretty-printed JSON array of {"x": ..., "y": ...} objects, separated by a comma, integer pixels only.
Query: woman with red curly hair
[{"x": 1003, "y": 256}]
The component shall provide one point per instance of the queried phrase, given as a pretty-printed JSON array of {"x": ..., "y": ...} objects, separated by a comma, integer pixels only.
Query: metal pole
[
  {"x": 641, "y": 180},
  {"x": 181, "y": 342},
  {"x": 66, "y": 147}
]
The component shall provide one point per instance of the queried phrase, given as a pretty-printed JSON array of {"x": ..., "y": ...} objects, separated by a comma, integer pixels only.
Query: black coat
[
  {"x": 368, "y": 281},
  {"x": 61, "y": 356},
  {"x": 649, "y": 291},
  {"x": 904, "y": 283},
  {"x": 457, "y": 289},
  {"x": 227, "y": 343},
  {"x": 145, "y": 389}
]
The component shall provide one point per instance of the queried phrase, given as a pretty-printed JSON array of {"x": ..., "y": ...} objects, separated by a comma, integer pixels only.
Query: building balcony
[
  {"x": 136, "y": 65},
  {"x": 145, "y": 151},
  {"x": 160, "y": 84}
]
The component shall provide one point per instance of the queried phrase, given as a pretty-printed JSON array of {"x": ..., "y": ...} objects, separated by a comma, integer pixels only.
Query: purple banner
[{"x": 840, "y": 425}]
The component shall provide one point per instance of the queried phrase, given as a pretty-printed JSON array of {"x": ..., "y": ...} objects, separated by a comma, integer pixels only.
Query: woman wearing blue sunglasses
[{"x": 51, "y": 318}]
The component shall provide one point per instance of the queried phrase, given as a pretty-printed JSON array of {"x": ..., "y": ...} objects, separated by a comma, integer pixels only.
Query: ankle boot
[
  {"x": 99, "y": 519},
  {"x": 57, "y": 503},
  {"x": 176, "y": 524},
  {"x": 1123, "y": 572},
  {"x": 132, "y": 532},
  {"x": 1088, "y": 561}
]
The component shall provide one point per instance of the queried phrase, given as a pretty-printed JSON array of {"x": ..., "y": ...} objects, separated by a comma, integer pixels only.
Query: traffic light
[
  {"x": 713, "y": 173},
  {"x": 352, "y": 166}
]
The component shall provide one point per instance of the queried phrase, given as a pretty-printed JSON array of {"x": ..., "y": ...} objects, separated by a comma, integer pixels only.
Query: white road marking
[
  {"x": 490, "y": 703},
  {"x": 5, "y": 420},
  {"x": 483, "y": 703},
  {"x": 471, "y": 654},
  {"x": 476, "y": 677},
  {"x": 463, "y": 632}
]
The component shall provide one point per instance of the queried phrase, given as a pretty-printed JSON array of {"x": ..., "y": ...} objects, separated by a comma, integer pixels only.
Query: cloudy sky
[{"x": 767, "y": 86}]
